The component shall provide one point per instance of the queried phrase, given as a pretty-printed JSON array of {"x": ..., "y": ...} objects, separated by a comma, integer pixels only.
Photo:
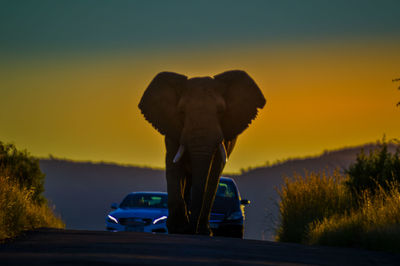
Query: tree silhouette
[{"x": 394, "y": 80}]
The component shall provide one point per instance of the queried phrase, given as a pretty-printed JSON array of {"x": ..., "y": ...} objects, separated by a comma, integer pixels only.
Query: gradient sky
[{"x": 72, "y": 73}]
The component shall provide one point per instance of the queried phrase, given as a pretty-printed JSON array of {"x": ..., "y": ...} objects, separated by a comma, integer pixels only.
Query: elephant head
[{"x": 200, "y": 116}]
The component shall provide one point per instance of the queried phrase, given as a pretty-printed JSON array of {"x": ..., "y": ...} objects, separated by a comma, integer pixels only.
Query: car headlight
[
  {"x": 160, "y": 220},
  {"x": 112, "y": 219},
  {"x": 235, "y": 216}
]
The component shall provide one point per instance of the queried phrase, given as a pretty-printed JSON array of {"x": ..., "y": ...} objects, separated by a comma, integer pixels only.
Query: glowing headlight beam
[
  {"x": 112, "y": 219},
  {"x": 159, "y": 219}
]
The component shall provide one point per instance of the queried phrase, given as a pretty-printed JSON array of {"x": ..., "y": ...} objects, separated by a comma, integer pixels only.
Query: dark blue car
[
  {"x": 227, "y": 214},
  {"x": 148, "y": 211}
]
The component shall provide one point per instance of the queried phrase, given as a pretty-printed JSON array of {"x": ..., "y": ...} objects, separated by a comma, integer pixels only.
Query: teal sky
[{"x": 48, "y": 26}]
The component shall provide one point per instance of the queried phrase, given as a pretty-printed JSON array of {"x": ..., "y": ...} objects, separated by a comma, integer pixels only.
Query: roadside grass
[
  {"x": 375, "y": 225},
  {"x": 22, "y": 204},
  {"x": 360, "y": 208},
  {"x": 309, "y": 199},
  {"x": 19, "y": 212},
  {"x": 320, "y": 210}
]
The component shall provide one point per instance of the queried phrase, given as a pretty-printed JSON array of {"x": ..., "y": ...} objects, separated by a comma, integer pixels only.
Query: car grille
[
  {"x": 217, "y": 217},
  {"x": 135, "y": 221}
]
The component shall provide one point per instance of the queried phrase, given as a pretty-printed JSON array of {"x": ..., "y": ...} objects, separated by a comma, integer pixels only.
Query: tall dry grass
[
  {"x": 374, "y": 225},
  {"x": 308, "y": 199},
  {"x": 19, "y": 211},
  {"x": 321, "y": 209},
  {"x": 359, "y": 209}
]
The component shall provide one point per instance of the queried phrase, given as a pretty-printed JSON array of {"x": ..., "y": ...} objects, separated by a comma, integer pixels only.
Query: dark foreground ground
[{"x": 67, "y": 247}]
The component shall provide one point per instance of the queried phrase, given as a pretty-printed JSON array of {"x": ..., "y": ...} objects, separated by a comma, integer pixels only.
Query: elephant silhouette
[{"x": 201, "y": 119}]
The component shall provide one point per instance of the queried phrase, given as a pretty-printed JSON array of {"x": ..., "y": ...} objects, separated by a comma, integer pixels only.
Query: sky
[{"x": 72, "y": 73}]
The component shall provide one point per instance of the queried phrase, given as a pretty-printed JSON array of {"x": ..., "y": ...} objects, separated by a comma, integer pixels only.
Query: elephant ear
[
  {"x": 242, "y": 100},
  {"x": 159, "y": 103}
]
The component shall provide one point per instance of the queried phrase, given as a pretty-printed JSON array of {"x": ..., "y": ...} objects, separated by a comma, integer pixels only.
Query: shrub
[
  {"x": 22, "y": 205},
  {"x": 24, "y": 169},
  {"x": 375, "y": 225},
  {"x": 378, "y": 169},
  {"x": 360, "y": 209},
  {"x": 19, "y": 211},
  {"x": 309, "y": 199}
]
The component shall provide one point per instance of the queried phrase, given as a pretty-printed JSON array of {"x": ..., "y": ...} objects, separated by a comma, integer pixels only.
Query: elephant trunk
[{"x": 200, "y": 171}]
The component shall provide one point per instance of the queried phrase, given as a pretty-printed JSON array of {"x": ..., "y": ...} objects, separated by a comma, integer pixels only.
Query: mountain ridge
[{"x": 83, "y": 191}]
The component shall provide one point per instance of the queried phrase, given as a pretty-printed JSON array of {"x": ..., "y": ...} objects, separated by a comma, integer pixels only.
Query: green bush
[
  {"x": 378, "y": 169},
  {"x": 309, "y": 199},
  {"x": 23, "y": 168}
]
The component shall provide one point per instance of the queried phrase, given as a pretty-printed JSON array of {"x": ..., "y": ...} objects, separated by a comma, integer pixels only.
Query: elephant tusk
[
  {"x": 223, "y": 152},
  {"x": 179, "y": 154}
]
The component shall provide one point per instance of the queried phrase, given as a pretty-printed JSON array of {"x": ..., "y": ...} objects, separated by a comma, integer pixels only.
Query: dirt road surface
[{"x": 72, "y": 247}]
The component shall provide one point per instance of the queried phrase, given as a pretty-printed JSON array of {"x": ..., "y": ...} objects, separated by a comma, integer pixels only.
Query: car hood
[{"x": 139, "y": 213}]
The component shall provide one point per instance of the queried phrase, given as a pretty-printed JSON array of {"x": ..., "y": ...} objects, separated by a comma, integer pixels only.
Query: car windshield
[
  {"x": 226, "y": 199},
  {"x": 144, "y": 201}
]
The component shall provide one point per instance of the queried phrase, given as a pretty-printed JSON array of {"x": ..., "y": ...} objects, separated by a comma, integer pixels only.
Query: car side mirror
[
  {"x": 114, "y": 206},
  {"x": 245, "y": 202}
]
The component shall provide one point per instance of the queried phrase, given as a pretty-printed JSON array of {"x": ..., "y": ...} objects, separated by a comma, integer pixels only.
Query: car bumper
[
  {"x": 153, "y": 228},
  {"x": 228, "y": 229}
]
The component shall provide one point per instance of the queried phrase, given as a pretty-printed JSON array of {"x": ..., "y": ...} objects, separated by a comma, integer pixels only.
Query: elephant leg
[
  {"x": 178, "y": 221},
  {"x": 212, "y": 186}
]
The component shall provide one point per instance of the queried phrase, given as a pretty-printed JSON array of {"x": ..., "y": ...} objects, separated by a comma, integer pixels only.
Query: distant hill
[{"x": 82, "y": 191}]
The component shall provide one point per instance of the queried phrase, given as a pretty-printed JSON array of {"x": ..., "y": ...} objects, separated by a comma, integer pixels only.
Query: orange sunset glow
[{"x": 319, "y": 96}]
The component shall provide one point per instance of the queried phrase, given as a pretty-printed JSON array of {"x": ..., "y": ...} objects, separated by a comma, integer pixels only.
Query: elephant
[{"x": 201, "y": 118}]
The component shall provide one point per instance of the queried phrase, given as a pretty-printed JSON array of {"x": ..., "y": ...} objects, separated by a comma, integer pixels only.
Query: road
[{"x": 73, "y": 247}]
